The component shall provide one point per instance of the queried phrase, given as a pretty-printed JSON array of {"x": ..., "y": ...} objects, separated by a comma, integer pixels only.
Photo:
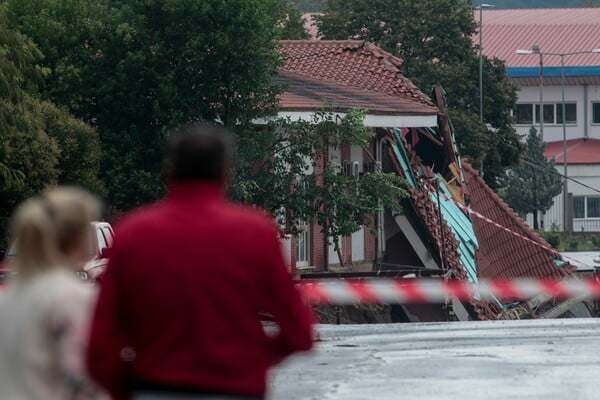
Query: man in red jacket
[{"x": 178, "y": 310}]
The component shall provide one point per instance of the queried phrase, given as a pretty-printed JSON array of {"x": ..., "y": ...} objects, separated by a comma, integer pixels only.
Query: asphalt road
[{"x": 535, "y": 359}]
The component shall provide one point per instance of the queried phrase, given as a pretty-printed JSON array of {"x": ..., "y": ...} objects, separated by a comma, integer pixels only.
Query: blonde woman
[{"x": 44, "y": 310}]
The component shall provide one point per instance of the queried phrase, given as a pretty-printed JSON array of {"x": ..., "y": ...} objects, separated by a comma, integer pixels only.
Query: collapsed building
[
  {"x": 455, "y": 223},
  {"x": 453, "y": 226}
]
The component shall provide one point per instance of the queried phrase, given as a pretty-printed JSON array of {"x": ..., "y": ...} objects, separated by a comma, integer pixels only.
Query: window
[
  {"x": 570, "y": 112},
  {"x": 101, "y": 241},
  {"x": 578, "y": 207},
  {"x": 548, "y": 113},
  {"x": 108, "y": 236},
  {"x": 529, "y": 114},
  {"x": 586, "y": 207},
  {"x": 524, "y": 114},
  {"x": 303, "y": 246},
  {"x": 596, "y": 113},
  {"x": 593, "y": 207},
  {"x": 12, "y": 251}
]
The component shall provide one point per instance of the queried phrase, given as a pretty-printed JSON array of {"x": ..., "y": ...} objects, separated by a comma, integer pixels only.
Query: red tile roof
[
  {"x": 553, "y": 29},
  {"x": 305, "y": 93},
  {"x": 503, "y": 255},
  {"x": 579, "y": 151},
  {"x": 340, "y": 71}
]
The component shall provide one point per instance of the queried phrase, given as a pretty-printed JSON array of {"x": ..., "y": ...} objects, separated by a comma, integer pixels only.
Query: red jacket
[{"x": 180, "y": 301}]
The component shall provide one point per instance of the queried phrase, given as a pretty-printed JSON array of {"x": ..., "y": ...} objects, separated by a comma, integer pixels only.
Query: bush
[
  {"x": 553, "y": 239},
  {"x": 573, "y": 244},
  {"x": 596, "y": 241}
]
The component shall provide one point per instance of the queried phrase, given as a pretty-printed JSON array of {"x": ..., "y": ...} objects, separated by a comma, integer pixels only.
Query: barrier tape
[
  {"x": 404, "y": 291},
  {"x": 520, "y": 236}
]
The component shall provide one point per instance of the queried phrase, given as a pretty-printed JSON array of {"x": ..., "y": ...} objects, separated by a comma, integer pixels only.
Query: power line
[{"x": 540, "y": 167}]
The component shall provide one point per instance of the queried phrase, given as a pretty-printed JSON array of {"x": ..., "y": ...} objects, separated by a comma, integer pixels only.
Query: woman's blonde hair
[{"x": 47, "y": 227}]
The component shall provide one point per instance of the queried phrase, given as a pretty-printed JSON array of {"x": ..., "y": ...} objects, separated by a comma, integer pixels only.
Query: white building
[{"x": 575, "y": 30}]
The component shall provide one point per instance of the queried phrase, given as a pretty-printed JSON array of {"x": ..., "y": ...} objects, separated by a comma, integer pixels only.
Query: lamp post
[
  {"x": 536, "y": 50},
  {"x": 481, "y": 7}
]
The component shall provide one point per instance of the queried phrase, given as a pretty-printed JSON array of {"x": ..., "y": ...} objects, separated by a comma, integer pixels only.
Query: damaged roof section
[
  {"x": 504, "y": 255},
  {"x": 443, "y": 191},
  {"x": 433, "y": 208},
  {"x": 437, "y": 234}
]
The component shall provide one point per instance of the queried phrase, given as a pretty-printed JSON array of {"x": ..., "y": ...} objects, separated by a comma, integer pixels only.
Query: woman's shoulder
[{"x": 62, "y": 285}]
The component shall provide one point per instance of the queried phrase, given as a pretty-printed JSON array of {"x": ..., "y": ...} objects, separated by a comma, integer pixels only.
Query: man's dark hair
[{"x": 198, "y": 152}]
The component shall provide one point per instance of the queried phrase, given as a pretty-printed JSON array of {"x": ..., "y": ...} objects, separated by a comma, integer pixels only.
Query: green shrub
[
  {"x": 573, "y": 244},
  {"x": 553, "y": 239}
]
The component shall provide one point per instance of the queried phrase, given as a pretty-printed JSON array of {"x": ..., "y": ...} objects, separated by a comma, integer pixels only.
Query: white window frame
[
  {"x": 585, "y": 209},
  {"x": 596, "y": 103},
  {"x": 555, "y": 109},
  {"x": 303, "y": 245}
]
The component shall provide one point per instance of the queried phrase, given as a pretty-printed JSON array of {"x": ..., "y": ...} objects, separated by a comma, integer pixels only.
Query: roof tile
[
  {"x": 348, "y": 64},
  {"x": 502, "y": 255}
]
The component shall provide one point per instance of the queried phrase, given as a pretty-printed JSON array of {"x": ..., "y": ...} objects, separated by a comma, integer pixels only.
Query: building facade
[
  {"x": 539, "y": 76},
  {"x": 340, "y": 76}
]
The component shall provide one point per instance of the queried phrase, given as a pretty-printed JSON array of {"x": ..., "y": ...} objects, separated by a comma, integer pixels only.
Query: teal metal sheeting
[
  {"x": 458, "y": 222},
  {"x": 461, "y": 226},
  {"x": 403, "y": 159}
]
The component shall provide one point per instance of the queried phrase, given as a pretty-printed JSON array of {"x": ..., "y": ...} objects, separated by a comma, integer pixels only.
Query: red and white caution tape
[
  {"x": 403, "y": 291},
  {"x": 469, "y": 211}
]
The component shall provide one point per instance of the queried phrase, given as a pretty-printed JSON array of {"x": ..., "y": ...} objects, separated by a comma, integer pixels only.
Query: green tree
[
  {"x": 28, "y": 157},
  {"x": 138, "y": 68},
  {"x": 532, "y": 185},
  {"x": 79, "y": 145},
  {"x": 29, "y": 150},
  {"x": 433, "y": 38},
  {"x": 40, "y": 144},
  {"x": 291, "y": 24},
  {"x": 309, "y": 5},
  {"x": 18, "y": 57},
  {"x": 283, "y": 171}
]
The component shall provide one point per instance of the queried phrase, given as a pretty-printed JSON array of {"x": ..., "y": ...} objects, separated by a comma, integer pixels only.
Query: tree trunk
[
  {"x": 535, "y": 220},
  {"x": 339, "y": 253},
  {"x": 326, "y": 227}
]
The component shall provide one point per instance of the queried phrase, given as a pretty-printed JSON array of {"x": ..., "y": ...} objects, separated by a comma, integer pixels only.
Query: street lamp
[
  {"x": 536, "y": 50},
  {"x": 480, "y": 8}
]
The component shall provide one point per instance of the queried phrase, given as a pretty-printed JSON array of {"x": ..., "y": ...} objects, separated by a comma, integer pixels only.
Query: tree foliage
[
  {"x": 27, "y": 154},
  {"x": 79, "y": 145},
  {"x": 309, "y": 5},
  {"x": 291, "y": 24},
  {"x": 134, "y": 69},
  {"x": 532, "y": 185},
  {"x": 433, "y": 38},
  {"x": 284, "y": 168},
  {"x": 40, "y": 144}
]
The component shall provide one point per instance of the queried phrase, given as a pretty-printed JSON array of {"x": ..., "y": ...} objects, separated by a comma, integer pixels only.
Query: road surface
[{"x": 534, "y": 359}]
